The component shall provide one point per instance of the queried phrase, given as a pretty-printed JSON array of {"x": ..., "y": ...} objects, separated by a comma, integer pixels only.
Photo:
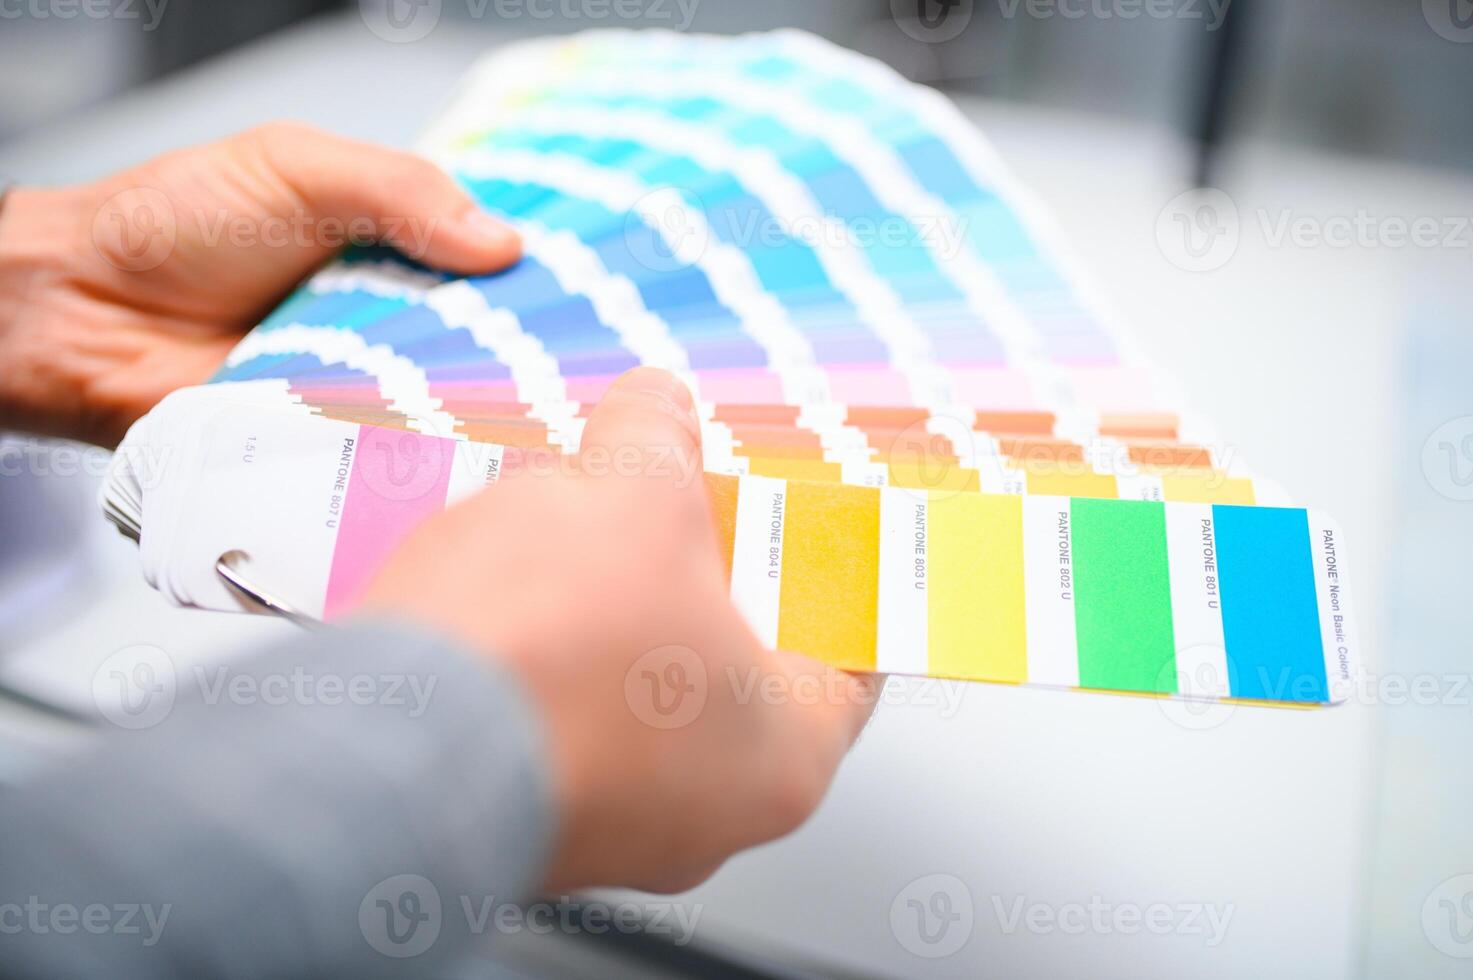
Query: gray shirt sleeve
[{"x": 328, "y": 807}]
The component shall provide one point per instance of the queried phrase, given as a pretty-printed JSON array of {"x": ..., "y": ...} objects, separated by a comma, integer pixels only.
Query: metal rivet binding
[{"x": 228, "y": 567}]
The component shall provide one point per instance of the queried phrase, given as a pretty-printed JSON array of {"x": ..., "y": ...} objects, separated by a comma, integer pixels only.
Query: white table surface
[{"x": 1057, "y": 798}]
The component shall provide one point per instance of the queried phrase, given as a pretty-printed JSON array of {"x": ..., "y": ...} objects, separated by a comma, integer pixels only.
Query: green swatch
[{"x": 1122, "y": 596}]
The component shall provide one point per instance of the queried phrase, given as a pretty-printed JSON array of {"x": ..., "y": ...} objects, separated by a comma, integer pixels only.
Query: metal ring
[{"x": 228, "y": 568}]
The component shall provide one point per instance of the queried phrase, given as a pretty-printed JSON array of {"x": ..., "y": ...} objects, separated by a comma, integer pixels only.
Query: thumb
[
  {"x": 845, "y": 707},
  {"x": 410, "y": 203},
  {"x": 649, "y": 412}
]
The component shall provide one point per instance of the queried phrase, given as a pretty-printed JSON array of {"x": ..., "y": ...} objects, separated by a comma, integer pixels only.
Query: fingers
[
  {"x": 673, "y": 881},
  {"x": 413, "y": 205},
  {"x": 649, "y": 411},
  {"x": 846, "y": 700},
  {"x": 823, "y": 715}
]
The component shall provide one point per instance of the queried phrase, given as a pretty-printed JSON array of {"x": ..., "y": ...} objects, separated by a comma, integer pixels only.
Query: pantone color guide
[
  {"x": 1206, "y": 601},
  {"x": 1201, "y": 600},
  {"x": 930, "y": 446},
  {"x": 830, "y": 257}
]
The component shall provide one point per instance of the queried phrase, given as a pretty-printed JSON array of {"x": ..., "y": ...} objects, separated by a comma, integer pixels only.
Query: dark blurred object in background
[
  {"x": 59, "y": 56},
  {"x": 193, "y": 30},
  {"x": 1372, "y": 77}
]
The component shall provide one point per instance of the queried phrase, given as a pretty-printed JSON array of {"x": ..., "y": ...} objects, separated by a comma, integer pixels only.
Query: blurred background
[
  {"x": 1362, "y": 76},
  {"x": 1338, "y": 360}
]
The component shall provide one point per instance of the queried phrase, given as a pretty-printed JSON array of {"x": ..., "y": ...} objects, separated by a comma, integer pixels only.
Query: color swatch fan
[{"x": 909, "y": 394}]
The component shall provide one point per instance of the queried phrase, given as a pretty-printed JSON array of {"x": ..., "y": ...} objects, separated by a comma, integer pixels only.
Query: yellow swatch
[
  {"x": 1071, "y": 483},
  {"x": 978, "y": 623},
  {"x": 933, "y": 476},
  {"x": 722, "y": 491},
  {"x": 1208, "y": 487},
  {"x": 796, "y": 469},
  {"x": 830, "y": 595}
]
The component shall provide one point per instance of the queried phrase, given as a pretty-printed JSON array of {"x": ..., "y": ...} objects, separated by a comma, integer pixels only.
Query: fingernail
[
  {"x": 493, "y": 230},
  {"x": 665, "y": 390}
]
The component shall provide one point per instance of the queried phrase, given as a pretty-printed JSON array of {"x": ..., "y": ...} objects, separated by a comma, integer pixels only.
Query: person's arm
[
  {"x": 671, "y": 738},
  {"x": 647, "y": 737},
  {"x": 325, "y": 820}
]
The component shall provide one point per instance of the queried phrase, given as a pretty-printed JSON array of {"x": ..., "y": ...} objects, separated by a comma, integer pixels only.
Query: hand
[
  {"x": 597, "y": 589},
  {"x": 115, "y": 293}
]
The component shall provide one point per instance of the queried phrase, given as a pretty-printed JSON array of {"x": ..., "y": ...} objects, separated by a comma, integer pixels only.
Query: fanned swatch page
[{"x": 928, "y": 445}]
